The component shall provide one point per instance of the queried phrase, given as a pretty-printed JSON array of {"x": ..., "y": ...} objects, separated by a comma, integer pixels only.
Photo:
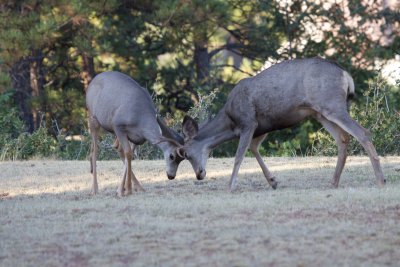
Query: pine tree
[{"x": 22, "y": 37}]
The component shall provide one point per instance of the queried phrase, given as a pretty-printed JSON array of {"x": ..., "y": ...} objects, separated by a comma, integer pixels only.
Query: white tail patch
[{"x": 350, "y": 90}]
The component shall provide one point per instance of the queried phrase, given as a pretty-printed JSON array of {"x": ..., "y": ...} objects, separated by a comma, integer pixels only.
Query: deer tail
[{"x": 350, "y": 90}]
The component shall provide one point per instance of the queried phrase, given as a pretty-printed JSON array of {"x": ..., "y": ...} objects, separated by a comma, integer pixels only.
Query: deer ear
[{"x": 189, "y": 127}]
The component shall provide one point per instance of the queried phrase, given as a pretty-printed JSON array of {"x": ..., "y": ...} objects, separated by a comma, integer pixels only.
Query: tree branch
[
  {"x": 229, "y": 47},
  {"x": 236, "y": 68}
]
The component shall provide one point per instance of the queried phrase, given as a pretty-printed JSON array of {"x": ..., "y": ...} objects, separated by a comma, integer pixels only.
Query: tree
[
  {"x": 354, "y": 33},
  {"x": 177, "y": 48},
  {"x": 22, "y": 36},
  {"x": 49, "y": 44},
  {"x": 191, "y": 39}
]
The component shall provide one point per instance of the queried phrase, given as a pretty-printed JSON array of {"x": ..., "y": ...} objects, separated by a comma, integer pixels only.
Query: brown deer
[
  {"x": 119, "y": 105},
  {"x": 276, "y": 98}
]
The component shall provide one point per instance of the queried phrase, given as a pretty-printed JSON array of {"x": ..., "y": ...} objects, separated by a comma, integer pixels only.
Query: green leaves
[{"x": 177, "y": 49}]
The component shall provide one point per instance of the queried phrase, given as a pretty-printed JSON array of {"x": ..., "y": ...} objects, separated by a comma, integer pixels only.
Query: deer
[
  {"x": 118, "y": 104},
  {"x": 279, "y": 97}
]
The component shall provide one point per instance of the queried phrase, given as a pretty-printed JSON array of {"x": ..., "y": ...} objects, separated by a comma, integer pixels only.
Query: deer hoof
[
  {"x": 232, "y": 188},
  {"x": 139, "y": 189},
  {"x": 128, "y": 192},
  {"x": 94, "y": 190},
  {"x": 120, "y": 193},
  {"x": 273, "y": 183},
  {"x": 335, "y": 184}
]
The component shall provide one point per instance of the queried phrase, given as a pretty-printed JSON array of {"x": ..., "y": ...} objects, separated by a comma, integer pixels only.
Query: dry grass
[{"x": 48, "y": 218}]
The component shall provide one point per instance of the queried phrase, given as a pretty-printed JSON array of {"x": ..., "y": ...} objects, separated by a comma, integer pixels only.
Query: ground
[{"x": 48, "y": 217}]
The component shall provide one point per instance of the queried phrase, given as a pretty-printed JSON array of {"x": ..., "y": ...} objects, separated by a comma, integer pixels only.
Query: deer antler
[
  {"x": 178, "y": 151},
  {"x": 165, "y": 139}
]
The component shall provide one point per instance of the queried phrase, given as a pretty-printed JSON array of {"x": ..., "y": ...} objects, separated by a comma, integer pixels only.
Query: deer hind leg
[
  {"x": 244, "y": 142},
  {"x": 254, "y": 146},
  {"x": 94, "y": 128},
  {"x": 362, "y": 135},
  {"x": 342, "y": 140}
]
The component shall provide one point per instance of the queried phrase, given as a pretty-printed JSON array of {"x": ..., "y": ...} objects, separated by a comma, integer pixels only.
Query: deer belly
[{"x": 288, "y": 119}]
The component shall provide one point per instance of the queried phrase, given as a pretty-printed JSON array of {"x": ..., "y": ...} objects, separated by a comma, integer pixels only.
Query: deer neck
[
  {"x": 152, "y": 132},
  {"x": 155, "y": 133},
  {"x": 168, "y": 132},
  {"x": 216, "y": 132}
]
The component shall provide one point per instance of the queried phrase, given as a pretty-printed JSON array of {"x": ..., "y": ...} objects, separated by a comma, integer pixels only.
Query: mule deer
[
  {"x": 280, "y": 97},
  {"x": 121, "y": 106}
]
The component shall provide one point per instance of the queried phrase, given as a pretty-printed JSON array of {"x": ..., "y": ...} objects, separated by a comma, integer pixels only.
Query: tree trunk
[
  {"x": 87, "y": 73},
  {"x": 37, "y": 81},
  {"x": 202, "y": 61},
  {"x": 201, "y": 56},
  {"x": 20, "y": 78}
]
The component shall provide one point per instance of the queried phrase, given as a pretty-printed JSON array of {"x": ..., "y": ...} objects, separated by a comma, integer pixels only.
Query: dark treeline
[{"x": 179, "y": 50}]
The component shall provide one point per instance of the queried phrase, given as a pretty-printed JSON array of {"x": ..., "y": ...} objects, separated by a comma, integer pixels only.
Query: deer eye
[{"x": 171, "y": 157}]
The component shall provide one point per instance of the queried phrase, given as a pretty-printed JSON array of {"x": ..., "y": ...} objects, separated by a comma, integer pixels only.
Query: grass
[{"x": 48, "y": 218}]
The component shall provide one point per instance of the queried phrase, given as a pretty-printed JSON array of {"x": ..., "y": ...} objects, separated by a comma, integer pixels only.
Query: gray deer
[
  {"x": 276, "y": 98},
  {"x": 121, "y": 106}
]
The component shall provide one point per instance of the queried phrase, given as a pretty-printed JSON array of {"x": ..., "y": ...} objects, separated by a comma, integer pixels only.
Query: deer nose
[
  {"x": 171, "y": 177},
  {"x": 201, "y": 174}
]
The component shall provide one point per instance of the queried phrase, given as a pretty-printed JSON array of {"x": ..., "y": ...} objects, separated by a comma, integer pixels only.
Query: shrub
[
  {"x": 377, "y": 111},
  {"x": 73, "y": 149},
  {"x": 38, "y": 144},
  {"x": 16, "y": 143},
  {"x": 200, "y": 112}
]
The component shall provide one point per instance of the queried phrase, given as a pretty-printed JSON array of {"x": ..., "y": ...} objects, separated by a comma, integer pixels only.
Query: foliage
[
  {"x": 10, "y": 131},
  {"x": 70, "y": 149},
  {"x": 16, "y": 143},
  {"x": 200, "y": 112},
  {"x": 178, "y": 50},
  {"x": 379, "y": 113},
  {"x": 290, "y": 142}
]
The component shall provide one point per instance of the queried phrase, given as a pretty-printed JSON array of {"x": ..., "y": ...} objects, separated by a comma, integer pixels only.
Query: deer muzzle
[{"x": 200, "y": 174}]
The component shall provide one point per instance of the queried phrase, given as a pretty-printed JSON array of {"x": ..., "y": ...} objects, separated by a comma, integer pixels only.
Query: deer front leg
[
  {"x": 136, "y": 184},
  {"x": 254, "y": 146},
  {"x": 121, "y": 187},
  {"x": 244, "y": 142},
  {"x": 125, "y": 152},
  {"x": 125, "y": 186},
  {"x": 128, "y": 176}
]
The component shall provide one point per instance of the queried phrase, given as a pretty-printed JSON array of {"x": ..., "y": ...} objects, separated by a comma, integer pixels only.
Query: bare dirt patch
[{"x": 48, "y": 218}]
